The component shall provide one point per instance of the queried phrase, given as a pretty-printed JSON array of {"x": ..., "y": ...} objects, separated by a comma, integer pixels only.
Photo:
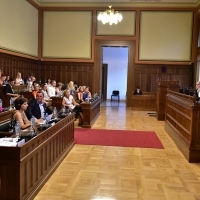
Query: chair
[{"x": 115, "y": 93}]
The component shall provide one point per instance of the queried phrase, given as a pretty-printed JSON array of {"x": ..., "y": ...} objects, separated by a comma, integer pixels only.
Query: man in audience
[
  {"x": 137, "y": 91},
  {"x": 51, "y": 90},
  {"x": 37, "y": 108}
]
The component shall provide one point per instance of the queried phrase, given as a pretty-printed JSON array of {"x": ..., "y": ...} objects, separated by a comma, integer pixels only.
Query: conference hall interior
[{"x": 154, "y": 46}]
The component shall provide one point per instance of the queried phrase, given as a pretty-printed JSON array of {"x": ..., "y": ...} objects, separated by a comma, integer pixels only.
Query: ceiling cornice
[{"x": 117, "y": 3}]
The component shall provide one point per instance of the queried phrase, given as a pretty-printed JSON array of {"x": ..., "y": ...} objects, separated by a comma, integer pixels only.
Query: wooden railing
[
  {"x": 182, "y": 123},
  {"x": 161, "y": 96},
  {"x": 25, "y": 169}
]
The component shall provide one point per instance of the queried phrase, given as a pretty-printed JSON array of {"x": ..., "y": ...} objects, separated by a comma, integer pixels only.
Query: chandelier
[{"x": 110, "y": 16}]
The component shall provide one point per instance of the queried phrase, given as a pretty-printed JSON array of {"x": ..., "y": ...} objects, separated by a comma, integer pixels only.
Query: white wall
[{"x": 117, "y": 60}]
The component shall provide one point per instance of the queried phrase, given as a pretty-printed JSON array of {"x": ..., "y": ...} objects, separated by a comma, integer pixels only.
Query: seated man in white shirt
[{"x": 51, "y": 90}]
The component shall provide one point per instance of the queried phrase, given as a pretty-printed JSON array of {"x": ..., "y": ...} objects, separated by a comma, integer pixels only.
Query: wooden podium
[{"x": 163, "y": 86}]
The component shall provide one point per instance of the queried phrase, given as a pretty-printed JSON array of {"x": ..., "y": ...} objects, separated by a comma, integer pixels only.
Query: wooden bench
[{"x": 144, "y": 102}]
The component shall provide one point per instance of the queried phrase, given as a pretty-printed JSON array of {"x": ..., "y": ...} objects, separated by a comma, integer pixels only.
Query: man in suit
[
  {"x": 37, "y": 108},
  {"x": 137, "y": 91}
]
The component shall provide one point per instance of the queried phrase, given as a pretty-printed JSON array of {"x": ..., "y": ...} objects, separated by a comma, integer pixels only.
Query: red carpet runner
[{"x": 122, "y": 138}]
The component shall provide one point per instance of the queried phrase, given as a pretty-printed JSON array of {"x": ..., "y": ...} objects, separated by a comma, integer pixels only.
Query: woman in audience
[
  {"x": 36, "y": 89},
  {"x": 86, "y": 93},
  {"x": 69, "y": 102},
  {"x": 51, "y": 89},
  {"x": 7, "y": 79},
  {"x": 59, "y": 91},
  {"x": 2, "y": 79},
  {"x": 80, "y": 94},
  {"x": 44, "y": 90},
  {"x": 71, "y": 87},
  {"x": 48, "y": 82},
  {"x": 19, "y": 80},
  {"x": 19, "y": 115},
  {"x": 75, "y": 85}
]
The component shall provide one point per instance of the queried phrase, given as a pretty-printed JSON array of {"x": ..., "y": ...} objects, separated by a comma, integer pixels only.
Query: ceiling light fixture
[{"x": 110, "y": 16}]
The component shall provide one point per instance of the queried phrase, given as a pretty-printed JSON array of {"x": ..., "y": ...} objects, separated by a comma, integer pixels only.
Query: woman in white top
[
  {"x": 19, "y": 80},
  {"x": 69, "y": 102}
]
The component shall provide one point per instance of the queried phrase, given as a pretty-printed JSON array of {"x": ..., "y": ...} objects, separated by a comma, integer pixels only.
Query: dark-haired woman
[{"x": 19, "y": 115}]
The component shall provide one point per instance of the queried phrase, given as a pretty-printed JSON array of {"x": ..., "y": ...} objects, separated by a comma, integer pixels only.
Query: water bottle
[
  {"x": 17, "y": 130},
  {"x": 64, "y": 110},
  {"x": 11, "y": 103},
  {"x": 55, "y": 112},
  {"x": 1, "y": 106},
  {"x": 32, "y": 124},
  {"x": 32, "y": 121},
  {"x": 46, "y": 118}
]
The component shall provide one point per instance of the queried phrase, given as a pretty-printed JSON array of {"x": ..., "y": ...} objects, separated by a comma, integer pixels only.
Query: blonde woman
[
  {"x": 69, "y": 102},
  {"x": 18, "y": 79}
]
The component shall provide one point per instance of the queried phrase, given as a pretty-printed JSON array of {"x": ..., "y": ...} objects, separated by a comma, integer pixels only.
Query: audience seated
[
  {"x": 7, "y": 79},
  {"x": 69, "y": 102},
  {"x": 80, "y": 95},
  {"x": 2, "y": 79},
  {"x": 18, "y": 79},
  {"x": 71, "y": 87},
  {"x": 76, "y": 85},
  {"x": 48, "y": 82},
  {"x": 37, "y": 108},
  {"x": 59, "y": 91},
  {"x": 44, "y": 90},
  {"x": 137, "y": 91},
  {"x": 19, "y": 116},
  {"x": 86, "y": 93},
  {"x": 198, "y": 88},
  {"x": 30, "y": 81},
  {"x": 36, "y": 89},
  {"x": 51, "y": 90},
  {"x": 9, "y": 91}
]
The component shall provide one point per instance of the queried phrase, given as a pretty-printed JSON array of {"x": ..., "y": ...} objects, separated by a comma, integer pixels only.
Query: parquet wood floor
[{"x": 117, "y": 173}]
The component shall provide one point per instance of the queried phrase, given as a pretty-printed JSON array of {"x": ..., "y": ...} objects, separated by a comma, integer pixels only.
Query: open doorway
[
  {"x": 114, "y": 71},
  {"x": 99, "y": 61}
]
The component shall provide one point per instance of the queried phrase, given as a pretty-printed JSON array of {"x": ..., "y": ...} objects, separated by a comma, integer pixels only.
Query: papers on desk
[
  {"x": 48, "y": 118},
  {"x": 8, "y": 142}
]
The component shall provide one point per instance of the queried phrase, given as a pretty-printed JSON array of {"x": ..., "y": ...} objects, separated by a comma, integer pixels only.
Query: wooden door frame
[
  {"x": 104, "y": 78},
  {"x": 131, "y": 65}
]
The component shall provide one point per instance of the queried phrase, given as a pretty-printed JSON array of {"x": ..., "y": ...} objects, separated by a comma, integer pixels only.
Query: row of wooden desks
[
  {"x": 24, "y": 170},
  {"x": 91, "y": 111}
]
